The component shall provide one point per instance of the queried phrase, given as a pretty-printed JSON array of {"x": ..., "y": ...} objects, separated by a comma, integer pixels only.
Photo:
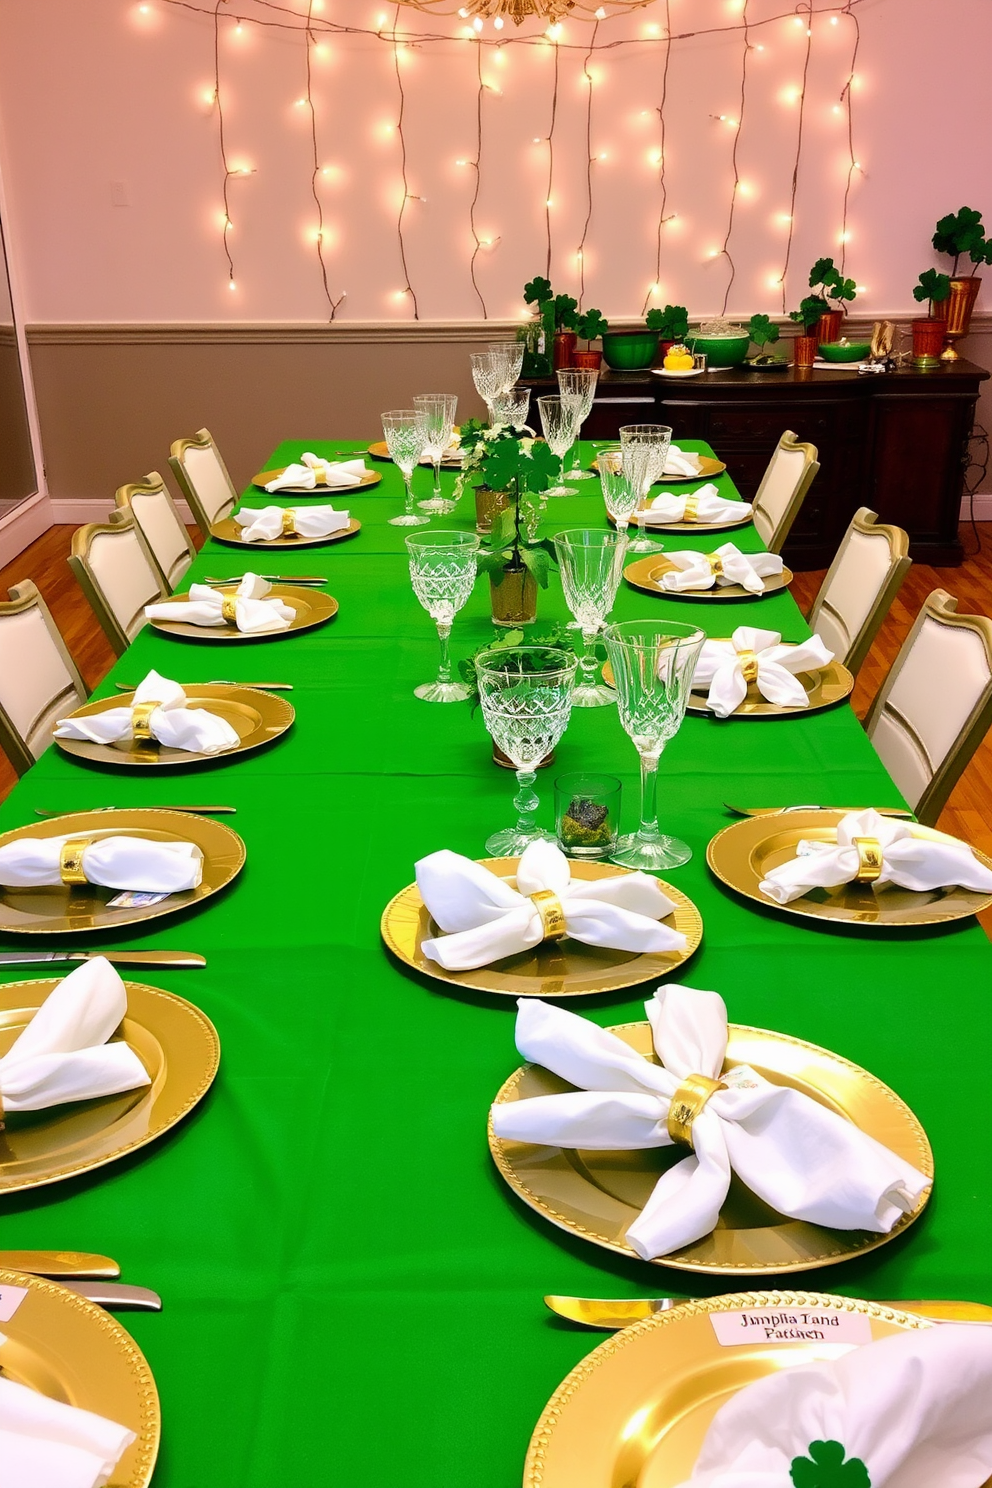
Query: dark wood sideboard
[{"x": 896, "y": 442}]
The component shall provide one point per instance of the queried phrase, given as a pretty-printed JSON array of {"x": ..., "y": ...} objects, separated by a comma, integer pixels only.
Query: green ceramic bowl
[
  {"x": 721, "y": 351},
  {"x": 629, "y": 351},
  {"x": 845, "y": 351}
]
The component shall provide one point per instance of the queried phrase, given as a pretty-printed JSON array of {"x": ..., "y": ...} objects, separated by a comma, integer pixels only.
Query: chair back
[
  {"x": 783, "y": 489},
  {"x": 118, "y": 576},
  {"x": 203, "y": 479},
  {"x": 935, "y": 706},
  {"x": 39, "y": 681},
  {"x": 157, "y": 519},
  {"x": 859, "y": 588}
]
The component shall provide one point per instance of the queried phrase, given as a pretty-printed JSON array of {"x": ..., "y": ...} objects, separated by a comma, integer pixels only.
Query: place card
[
  {"x": 752, "y": 1325},
  {"x": 11, "y": 1298}
]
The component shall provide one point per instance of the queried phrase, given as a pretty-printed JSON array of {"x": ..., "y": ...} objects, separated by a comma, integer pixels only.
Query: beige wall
[{"x": 112, "y": 399}]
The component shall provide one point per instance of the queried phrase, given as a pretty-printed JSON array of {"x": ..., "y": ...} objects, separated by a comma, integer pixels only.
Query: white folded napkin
[
  {"x": 172, "y": 723},
  {"x": 801, "y": 1158},
  {"x": 45, "y": 1443},
  {"x": 915, "y": 1408},
  {"x": 63, "y": 1054},
  {"x": 682, "y": 462},
  {"x": 136, "y": 863},
  {"x": 722, "y": 665},
  {"x": 265, "y": 523},
  {"x": 486, "y": 919},
  {"x": 254, "y": 614},
  {"x": 696, "y": 571},
  {"x": 312, "y": 471},
  {"x": 707, "y": 504},
  {"x": 908, "y": 862}
]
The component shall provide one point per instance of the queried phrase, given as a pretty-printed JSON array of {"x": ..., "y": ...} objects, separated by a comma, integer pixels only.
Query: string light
[
  {"x": 799, "y": 151},
  {"x": 846, "y": 98},
  {"x": 407, "y": 287},
  {"x": 317, "y": 170},
  {"x": 590, "y": 161},
  {"x": 227, "y": 224},
  {"x": 477, "y": 166},
  {"x": 736, "y": 188},
  {"x": 550, "y": 141},
  {"x": 662, "y": 161}
]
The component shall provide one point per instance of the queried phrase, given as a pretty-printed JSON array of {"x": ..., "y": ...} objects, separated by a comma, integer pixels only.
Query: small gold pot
[
  {"x": 487, "y": 503},
  {"x": 956, "y": 310},
  {"x": 514, "y": 600},
  {"x": 804, "y": 350}
]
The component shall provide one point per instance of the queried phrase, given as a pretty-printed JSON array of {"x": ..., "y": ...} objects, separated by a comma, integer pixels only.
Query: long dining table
[{"x": 350, "y": 1293}]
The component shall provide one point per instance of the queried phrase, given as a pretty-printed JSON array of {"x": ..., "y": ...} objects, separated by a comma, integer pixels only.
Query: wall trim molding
[
  {"x": 343, "y": 333},
  {"x": 23, "y": 525}
]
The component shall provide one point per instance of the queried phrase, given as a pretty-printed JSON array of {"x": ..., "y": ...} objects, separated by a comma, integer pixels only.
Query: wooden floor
[{"x": 968, "y": 814}]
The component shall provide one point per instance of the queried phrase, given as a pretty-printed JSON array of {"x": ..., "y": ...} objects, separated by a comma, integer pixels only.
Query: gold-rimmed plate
[
  {"x": 553, "y": 969},
  {"x": 176, "y": 1043},
  {"x": 708, "y": 468},
  {"x": 229, "y": 532},
  {"x": 598, "y": 1195},
  {"x": 82, "y": 909},
  {"x": 824, "y": 686},
  {"x": 73, "y": 1351},
  {"x": 646, "y": 573},
  {"x": 700, "y": 527},
  {"x": 380, "y": 451},
  {"x": 257, "y": 717},
  {"x": 635, "y": 1410},
  {"x": 311, "y": 607},
  {"x": 370, "y": 478},
  {"x": 742, "y": 854}
]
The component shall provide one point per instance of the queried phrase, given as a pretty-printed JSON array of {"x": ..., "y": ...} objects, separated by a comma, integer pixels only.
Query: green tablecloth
[{"x": 350, "y": 1293}]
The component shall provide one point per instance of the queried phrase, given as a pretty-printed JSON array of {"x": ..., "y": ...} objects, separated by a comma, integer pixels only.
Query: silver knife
[
  {"x": 116, "y": 958},
  {"x": 610, "y": 1314},
  {"x": 192, "y": 810},
  {"x": 272, "y": 579},
  {"x": 221, "y": 682},
  {"x": 116, "y": 1296},
  {"x": 896, "y": 811}
]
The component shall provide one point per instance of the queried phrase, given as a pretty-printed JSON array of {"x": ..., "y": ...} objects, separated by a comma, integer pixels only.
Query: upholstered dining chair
[
  {"x": 203, "y": 479},
  {"x": 859, "y": 588},
  {"x": 39, "y": 681},
  {"x": 118, "y": 576},
  {"x": 157, "y": 519},
  {"x": 783, "y": 489},
  {"x": 935, "y": 706}
]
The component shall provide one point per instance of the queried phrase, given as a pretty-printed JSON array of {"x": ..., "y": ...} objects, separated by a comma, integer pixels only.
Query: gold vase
[
  {"x": 514, "y": 600},
  {"x": 956, "y": 310},
  {"x": 487, "y": 504}
]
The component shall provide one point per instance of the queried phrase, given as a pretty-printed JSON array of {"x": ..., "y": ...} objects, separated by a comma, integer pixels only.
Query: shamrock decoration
[
  {"x": 825, "y": 1468},
  {"x": 537, "y": 291}
]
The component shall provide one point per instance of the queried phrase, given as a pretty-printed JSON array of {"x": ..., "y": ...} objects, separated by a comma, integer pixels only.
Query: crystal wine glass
[
  {"x": 442, "y": 571},
  {"x": 579, "y": 383},
  {"x": 617, "y": 478},
  {"x": 653, "y": 663},
  {"x": 654, "y": 439},
  {"x": 406, "y": 439},
  {"x": 526, "y": 697},
  {"x": 512, "y": 407},
  {"x": 590, "y": 564},
  {"x": 487, "y": 375},
  {"x": 559, "y": 422},
  {"x": 438, "y": 410},
  {"x": 508, "y": 358}
]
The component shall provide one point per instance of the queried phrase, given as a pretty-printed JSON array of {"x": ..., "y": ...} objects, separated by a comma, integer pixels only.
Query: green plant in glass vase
[{"x": 517, "y": 565}]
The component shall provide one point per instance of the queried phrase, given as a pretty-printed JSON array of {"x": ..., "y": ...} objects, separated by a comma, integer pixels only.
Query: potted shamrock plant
[
  {"x": 958, "y": 234},
  {"x": 928, "y": 331},
  {"x": 516, "y": 567},
  {"x": 631, "y": 351},
  {"x": 591, "y": 325},
  {"x": 559, "y": 317},
  {"x": 764, "y": 332},
  {"x": 831, "y": 284},
  {"x": 806, "y": 341},
  {"x": 672, "y": 325}
]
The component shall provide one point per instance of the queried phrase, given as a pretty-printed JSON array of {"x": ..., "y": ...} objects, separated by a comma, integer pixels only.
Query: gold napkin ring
[
  {"x": 71, "y": 860},
  {"x": 869, "y": 859},
  {"x": 141, "y": 719},
  {"x": 288, "y": 522},
  {"x": 229, "y": 609},
  {"x": 716, "y": 564},
  {"x": 691, "y": 513},
  {"x": 686, "y": 1104},
  {"x": 549, "y": 907},
  {"x": 748, "y": 661}
]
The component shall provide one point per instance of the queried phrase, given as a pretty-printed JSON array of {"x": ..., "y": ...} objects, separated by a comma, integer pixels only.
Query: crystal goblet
[
  {"x": 579, "y": 383},
  {"x": 620, "y": 491},
  {"x": 487, "y": 374},
  {"x": 438, "y": 410},
  {"x": 590, "y": 564},
  {"x": 558, "y": 421},
  {"x": 654, "y": 439},
  {"x": 442, "y": 571},
  {"x": 406, "y": 438},
  {"x": 508, "y": 358},
  {"x": 511, "y": 407},
  {"x": 526, "y": 697},
  {"x": 653, "y": 663}
]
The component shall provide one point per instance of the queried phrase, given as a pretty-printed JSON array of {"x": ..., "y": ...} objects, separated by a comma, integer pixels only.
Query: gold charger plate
[
  {"x": 742, "y": 854},
  {"x": 553, "y": 969},
  {"x": 645, "y": 571},
  {"x": 598, "y": 1195},
  {"x": 701, "y": 527},
  {"x": 257, "y": 717},
  {"x": 380, "y": 451},
  {"x": 179, "y": 1048},
  {"x": 370, "y": 478},
  {"x": 708, "y": 467},
  {"x": 73, "y": 1351},
  {"x": 229, "y": 532},
  {"x": 635, "y": 1411},
  {"x": 60, "y": 910},
  {"x": 824, "y": 687},
  {"x": 312, "y": 607}
]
